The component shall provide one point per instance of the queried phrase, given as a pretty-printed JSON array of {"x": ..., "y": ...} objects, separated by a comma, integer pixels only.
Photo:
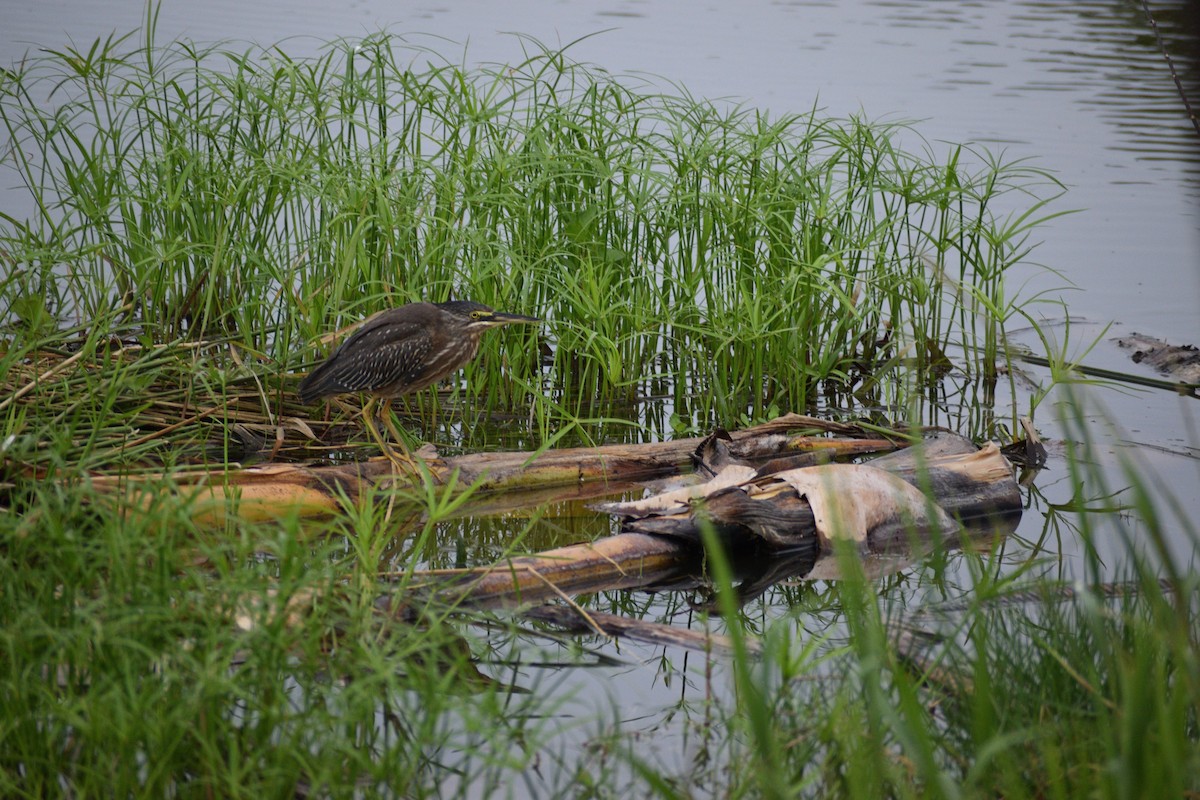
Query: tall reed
[{"x": 714, "y": 256}]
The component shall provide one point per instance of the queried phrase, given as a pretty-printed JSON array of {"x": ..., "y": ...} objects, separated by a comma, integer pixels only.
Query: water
[{"x": 1081, "y": 88}]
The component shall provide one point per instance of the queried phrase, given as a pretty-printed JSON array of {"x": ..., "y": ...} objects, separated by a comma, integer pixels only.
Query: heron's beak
[{"x": 499, "y": 318}]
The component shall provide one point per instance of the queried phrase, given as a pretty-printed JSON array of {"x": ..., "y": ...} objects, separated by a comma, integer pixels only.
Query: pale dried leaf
[
  {"x": 859, "y": 502},
  {"x": 297, "y": 424},
  {"x": 678, "y": 499}
]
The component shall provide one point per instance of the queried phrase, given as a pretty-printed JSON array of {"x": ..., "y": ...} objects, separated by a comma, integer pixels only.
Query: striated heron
[{"x": 401, "y": 351}]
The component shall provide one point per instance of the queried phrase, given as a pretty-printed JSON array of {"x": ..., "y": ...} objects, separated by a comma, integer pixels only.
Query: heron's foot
[{"x": 402, "y": 461}]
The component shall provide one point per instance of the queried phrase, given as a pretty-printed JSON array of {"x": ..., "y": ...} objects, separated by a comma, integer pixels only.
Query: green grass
[
  {"x": 199, "y": 217},
  {"x": 130, "y": 671},
  {"x": 721, "y": 260}
]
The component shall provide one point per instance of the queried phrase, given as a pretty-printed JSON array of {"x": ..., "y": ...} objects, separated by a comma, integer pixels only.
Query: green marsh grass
[
  {"x": 146, "y": 657},
  {"x": 716, "y": 259}
]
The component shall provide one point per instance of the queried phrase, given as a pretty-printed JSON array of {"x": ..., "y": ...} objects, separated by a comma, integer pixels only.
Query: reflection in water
[{"x": 1096, "y": 55}]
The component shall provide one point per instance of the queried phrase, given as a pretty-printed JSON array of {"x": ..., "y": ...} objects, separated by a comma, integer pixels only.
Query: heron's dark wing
[{"x": 378, "y": 357}]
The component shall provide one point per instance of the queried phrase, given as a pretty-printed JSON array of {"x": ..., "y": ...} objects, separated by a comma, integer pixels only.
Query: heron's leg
[
  {"x": 403, "y": 460},
  {"x": 368, "y": 417},
  {"x": 390, "y": 422},
  {"x": 369, "y": 412}
]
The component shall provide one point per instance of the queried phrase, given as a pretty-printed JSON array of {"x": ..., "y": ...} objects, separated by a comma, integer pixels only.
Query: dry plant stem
[
  {"x": 45, "y": 376},
  {"x": 174, "y": 427},
  {"x": 595, "y": 626},
  {"x": 1171, "y": 66},
  {"x": 912, "y": 653}
]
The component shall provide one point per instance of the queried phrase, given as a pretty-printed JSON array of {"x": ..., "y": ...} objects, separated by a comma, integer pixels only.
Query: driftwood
[
  {"x": 503, "y": 481},
  {"x": 878, "y": 502},
  {"x": 624, "y": 561},
  {"x": 774, "y": 495},
  {"x": 1180, "y": 362},
  {"x": 766, "y": 522}
]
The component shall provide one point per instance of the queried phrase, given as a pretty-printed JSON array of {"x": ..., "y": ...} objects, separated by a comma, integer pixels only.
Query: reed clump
[{"x": 717, "y": 260}]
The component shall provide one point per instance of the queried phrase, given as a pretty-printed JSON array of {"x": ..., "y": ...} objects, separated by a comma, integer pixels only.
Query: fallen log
[
  {"x": 503, "y": 481},
  {"x": 954, "y": 478},
  {"x": 623, "y": 561},
  {"x": 1180, "y": 362},
  {"x": 768, "y": 494},
  {"x": 771, "y": 516}
]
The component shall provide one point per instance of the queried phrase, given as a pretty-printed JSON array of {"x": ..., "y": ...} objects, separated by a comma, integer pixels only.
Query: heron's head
[{"x": 478, "y": 317}]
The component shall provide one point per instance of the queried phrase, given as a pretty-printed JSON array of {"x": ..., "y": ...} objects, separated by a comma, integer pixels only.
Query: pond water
[{"x": 1081, "y": 88}]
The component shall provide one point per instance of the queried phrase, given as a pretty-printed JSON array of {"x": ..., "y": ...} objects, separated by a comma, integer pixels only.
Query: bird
[{"x": 401, "y": 351}]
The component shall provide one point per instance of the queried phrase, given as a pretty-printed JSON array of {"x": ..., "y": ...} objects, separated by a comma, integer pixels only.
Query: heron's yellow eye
[{"x": 477, "y": 315}]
